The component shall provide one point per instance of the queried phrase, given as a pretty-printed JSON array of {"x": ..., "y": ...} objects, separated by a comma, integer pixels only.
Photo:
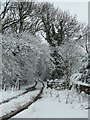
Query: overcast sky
[{"x": 78, "y": 7}]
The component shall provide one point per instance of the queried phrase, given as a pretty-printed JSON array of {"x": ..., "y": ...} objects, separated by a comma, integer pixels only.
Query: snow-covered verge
[
  {"x": 14, "y": 104},
  {"x": 10, "y": 93},
  {"x": 57, "y": 104},
  {"x": 4, "y": 95}
]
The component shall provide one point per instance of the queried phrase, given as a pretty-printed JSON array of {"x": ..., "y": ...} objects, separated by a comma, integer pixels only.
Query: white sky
[{"x": 78, "y": 7}]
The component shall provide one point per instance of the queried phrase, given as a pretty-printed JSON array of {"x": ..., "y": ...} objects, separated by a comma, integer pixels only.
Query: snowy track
[
  {"x": 26, "y": 91},
  {"x": 56, "y": 104},
  {"x": 14, "y": 106}
]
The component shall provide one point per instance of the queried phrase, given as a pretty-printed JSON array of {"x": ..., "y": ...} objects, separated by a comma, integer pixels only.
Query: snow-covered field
[{"x": 58, "y": 104}]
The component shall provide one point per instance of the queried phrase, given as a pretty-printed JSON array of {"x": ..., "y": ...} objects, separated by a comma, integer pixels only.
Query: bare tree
[
  {"x": 15, "y": 15},
  {"x": 47, "y": 12},
  {"x": 3, "y": 14},
  {"x": 59, "y": 28}
]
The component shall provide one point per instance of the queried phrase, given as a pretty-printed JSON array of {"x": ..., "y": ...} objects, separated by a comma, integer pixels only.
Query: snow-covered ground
[
  {"x": 4, "y": 95},
  {"x": 57, "y": 104},
  {"x": 14, "y": 104}
]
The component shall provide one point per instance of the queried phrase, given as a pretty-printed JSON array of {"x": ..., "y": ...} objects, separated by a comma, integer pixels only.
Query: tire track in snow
[
  {"x": 27, "y": 90},
  {"x": 25, "y": 106}
]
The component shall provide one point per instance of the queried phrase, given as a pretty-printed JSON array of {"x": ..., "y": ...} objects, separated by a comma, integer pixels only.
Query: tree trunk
[{"x": 21, "y": 17}]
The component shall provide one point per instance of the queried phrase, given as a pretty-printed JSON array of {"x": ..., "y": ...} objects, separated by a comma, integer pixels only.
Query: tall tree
[
  {"x": 15, "y": 15},
  {"x": 59, "y": 28}
]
